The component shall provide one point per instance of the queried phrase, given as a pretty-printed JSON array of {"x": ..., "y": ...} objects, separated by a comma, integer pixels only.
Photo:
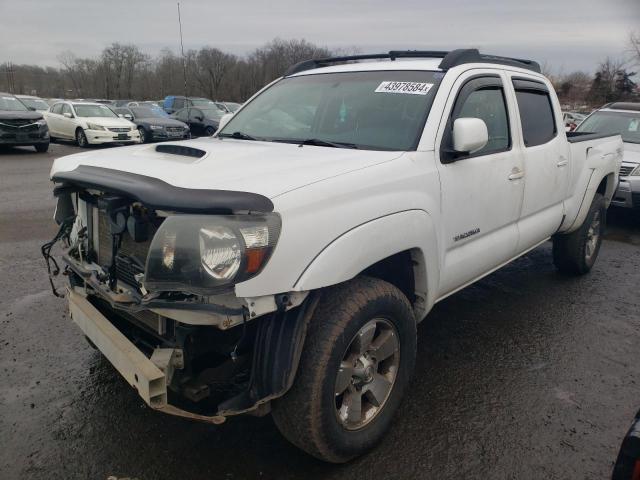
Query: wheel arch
[
  {"x": 607, "y": 187},
  {"x": 400, "y": 248}
]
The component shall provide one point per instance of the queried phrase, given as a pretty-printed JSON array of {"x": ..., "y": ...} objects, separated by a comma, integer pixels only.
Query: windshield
[
  {"x": 145, "y": 112},
  {"x": 213, "y": 113},
  {"x": 94, "y": 111},
  {"x": 12, "y": 104},
  {"x": 35, "y": 103},
  {"x": 381, "y": 110},
  {"x": 627, "y": 124}
]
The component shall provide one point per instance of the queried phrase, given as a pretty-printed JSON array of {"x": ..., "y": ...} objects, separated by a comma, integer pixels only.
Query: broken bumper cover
[{"x": 148, "y": 376}]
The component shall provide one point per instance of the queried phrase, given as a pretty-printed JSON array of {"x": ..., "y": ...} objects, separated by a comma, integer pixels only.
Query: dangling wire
[{"x": 63, "y": 232}]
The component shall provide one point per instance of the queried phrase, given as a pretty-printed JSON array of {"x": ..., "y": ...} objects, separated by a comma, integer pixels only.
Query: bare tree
[
  {"x": 634, "y": 47},
  {"x": 211, "y": 68}
]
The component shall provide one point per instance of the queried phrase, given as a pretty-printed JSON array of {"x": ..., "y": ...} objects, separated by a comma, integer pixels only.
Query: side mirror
[
  {"x": 128, "y": 116},
  {"x": 224, "y": 120},
  {"x": 469, "y": 135},
  {"x": 67, "y": 114},
  {"x": 33, "y": 109}
]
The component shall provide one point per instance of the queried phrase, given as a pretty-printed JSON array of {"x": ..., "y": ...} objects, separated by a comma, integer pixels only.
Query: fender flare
[
  {"x": 344, "y": 258},
  {"x": 594, "y": 182}
]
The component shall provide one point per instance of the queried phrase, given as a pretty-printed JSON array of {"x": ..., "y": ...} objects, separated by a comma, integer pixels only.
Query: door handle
[
  {"x": 516, "y": 174},
  {"x": 563, "y": 161}
]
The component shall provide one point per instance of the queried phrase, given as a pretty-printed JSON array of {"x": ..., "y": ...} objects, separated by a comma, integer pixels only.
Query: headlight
[
  {"x": 93, "y": 126},
  {"x": 202, "y": 253},
  {"x": 635, "y": 172},
  {"x": 156, "y": 127}
]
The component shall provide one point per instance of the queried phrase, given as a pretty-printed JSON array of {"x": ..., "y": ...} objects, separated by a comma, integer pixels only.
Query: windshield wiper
[
  {"x": 237, "y": 135},
  {"x": 319, "y": 143}
]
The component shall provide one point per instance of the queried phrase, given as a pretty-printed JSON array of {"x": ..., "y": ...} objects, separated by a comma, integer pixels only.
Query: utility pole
[{"x": 184, "y": 60}]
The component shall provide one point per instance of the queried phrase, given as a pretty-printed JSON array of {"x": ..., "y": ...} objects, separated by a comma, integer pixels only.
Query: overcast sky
[{"x": 566, "y": 34}]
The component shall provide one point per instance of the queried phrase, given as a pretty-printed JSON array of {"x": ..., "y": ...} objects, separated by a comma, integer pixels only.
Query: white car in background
[
  {"x": 33, "y": 103},
  {"x": 89, "y": 124}
]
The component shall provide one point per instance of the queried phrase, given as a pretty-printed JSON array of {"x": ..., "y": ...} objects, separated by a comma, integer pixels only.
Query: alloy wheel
[
  {"x": 367, "y": 374},
  {"x": 593, "y": 236}
]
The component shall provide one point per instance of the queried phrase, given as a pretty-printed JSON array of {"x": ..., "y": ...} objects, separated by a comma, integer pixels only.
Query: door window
[
  {"x": 65, "y": 108},
  {"x": 195, "y": 115},
  {"x": 178, "y": 103},
  {"x": 482, "y": 98},
  {"x": 536, "y": 112},
  {"x": 57, "y": 109}
]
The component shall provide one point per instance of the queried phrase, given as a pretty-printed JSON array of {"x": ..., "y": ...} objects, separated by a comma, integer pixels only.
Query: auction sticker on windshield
[{"x": 412, "y": 88}]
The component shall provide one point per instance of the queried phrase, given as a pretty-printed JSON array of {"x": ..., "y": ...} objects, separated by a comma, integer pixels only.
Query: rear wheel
[
  {"x": 81, "y": 138},
  {"x": 576, "y": 253},
  {"x": 41, "y": 147},
  {"x": 358, "y": 357}
]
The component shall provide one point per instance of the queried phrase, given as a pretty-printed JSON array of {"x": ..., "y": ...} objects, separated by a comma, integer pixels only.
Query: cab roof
[{"x": 409, "y": 60}]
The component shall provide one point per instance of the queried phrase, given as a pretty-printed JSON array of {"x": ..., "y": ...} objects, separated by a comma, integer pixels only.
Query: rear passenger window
[
  {"x": 536, "y": 113},
  {"x": 57, "y": 108}
]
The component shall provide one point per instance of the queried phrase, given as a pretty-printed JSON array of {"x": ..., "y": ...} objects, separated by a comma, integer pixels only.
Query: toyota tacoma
[{"x": 282, "y": 266}]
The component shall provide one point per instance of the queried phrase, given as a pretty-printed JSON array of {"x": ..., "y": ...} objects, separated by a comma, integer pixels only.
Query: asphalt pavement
[{"x": 528, "y": 374}]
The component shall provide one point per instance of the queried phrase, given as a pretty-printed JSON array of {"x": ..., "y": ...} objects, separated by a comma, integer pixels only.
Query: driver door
[
  {"x": 196, "y": 121},
  {"x": 482, "y": 192}
]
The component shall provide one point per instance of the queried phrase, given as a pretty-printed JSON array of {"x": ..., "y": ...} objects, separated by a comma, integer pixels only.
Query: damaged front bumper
[
  {"x": 149, "y": 377},
  {"x": 272, "y": 361}
]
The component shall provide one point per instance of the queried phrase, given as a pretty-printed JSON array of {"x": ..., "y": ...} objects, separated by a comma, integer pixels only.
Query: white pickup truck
[{"x": 282, "y": 266}]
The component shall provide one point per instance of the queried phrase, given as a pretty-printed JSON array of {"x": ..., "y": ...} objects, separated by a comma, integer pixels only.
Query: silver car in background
[{"x": 622, "y": 118}]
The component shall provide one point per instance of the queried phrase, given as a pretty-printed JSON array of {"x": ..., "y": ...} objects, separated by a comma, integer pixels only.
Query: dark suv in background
[
  {"x": 20, "y": 126},
  {"x": 174, "y": 103}
]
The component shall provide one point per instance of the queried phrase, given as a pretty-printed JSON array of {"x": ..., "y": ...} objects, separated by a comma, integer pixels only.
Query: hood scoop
[{"x": 181, "y": 150}]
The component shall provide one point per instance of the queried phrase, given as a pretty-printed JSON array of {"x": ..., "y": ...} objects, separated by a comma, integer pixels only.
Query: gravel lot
[{"x": 527, "y": 374}]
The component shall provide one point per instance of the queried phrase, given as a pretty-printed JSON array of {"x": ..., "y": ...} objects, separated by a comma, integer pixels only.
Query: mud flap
[{"x": 276, "y": 355}]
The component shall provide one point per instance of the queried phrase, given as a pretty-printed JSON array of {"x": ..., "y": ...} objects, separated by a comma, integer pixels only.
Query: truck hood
[
  {"x": 266, "y": 168},
  {"x": 15, "y": 115},
  {"x": 631, "y": 153}
]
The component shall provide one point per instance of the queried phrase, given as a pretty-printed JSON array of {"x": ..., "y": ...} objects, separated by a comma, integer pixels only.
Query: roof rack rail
[{"x": 449, "y": 59}]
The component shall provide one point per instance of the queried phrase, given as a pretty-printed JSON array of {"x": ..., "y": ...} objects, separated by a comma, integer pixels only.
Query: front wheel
[
  {"x": 143, "y": 135},
  {"x": 81, "y": 139},
  {"x": 358, "y": 358},
  {"x": 576, "y": 253},
  {"x": 41, "y": 147}
]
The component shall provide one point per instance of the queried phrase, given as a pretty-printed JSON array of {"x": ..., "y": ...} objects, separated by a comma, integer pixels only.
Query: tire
[
  {"x": 41, "y": 147},
  {"x": 575, "y": 253},
  {"x": 81, "y": 138},
  {"x": 209, "y": 131},
  {"x": 143, "y": 135},
  {"x": 313, "y": 415}
]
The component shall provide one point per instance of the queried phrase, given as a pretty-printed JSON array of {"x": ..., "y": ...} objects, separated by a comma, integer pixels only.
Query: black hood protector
[{"x": 159, "y": 195}]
